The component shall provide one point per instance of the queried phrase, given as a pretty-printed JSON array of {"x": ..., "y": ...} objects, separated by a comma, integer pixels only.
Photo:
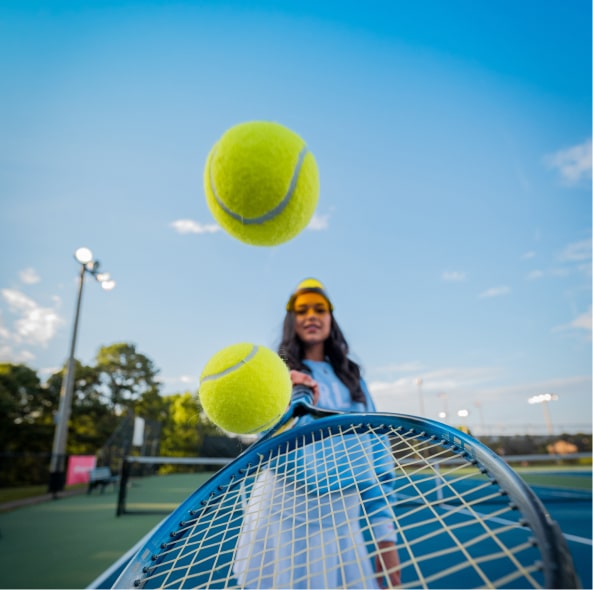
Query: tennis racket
[{"x": 315, "y": 501}]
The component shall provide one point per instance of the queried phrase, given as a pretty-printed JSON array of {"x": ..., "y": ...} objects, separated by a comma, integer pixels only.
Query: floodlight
[
  {"x": 83, "y": 255},
  {"x": 108, "y": 285}
]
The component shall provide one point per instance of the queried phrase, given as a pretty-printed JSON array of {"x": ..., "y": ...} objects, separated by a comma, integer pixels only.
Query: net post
[{"x": 123, "y": 486}]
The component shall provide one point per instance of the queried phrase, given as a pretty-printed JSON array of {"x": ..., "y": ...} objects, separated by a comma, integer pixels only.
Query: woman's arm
[{"x": 386, "y": 565}]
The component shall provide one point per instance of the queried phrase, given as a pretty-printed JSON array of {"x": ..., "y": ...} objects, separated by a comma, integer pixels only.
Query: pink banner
[{"x": 79, "y": 467}]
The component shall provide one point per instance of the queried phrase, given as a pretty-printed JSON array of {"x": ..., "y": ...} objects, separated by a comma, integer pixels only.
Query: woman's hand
[
  {"x": 386, "y": 565},
  {"x": 300, "y": 378}
]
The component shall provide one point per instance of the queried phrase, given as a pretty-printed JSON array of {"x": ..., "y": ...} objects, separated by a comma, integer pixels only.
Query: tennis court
[{"x": 67, "y": 543}]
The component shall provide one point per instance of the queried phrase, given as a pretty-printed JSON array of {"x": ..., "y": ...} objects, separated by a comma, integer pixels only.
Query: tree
[
  {"x": 26, "y": 426},
  {"x": 185, "y": 428},
  {"x": 23, "y": 402},
  {"x": 125, "y": 374},
  {"x": 181, "y": 432},
  {"x": 123, "y": 382},
  {"x": 152, "y": 406},
  {"x": 91, "y": 419}
]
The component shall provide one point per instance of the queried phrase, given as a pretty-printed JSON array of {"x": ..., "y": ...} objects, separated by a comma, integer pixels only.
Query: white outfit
[{"x": 301, "y": 527}]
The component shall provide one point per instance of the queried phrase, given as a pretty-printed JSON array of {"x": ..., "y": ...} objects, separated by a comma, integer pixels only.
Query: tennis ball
[
  {"x": 245, "y": 388},
  {"x": 261, "y": 183}
]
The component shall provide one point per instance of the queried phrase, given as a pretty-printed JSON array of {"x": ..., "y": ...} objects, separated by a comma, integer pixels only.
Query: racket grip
[{"x": 302, "y": 393}]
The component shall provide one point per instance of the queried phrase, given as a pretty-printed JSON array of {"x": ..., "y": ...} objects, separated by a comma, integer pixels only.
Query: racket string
[{"x": 287, "y": 517}]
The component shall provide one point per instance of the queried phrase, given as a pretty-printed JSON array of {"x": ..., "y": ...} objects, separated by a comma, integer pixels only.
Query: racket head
[{"x": 463, "y": 517}]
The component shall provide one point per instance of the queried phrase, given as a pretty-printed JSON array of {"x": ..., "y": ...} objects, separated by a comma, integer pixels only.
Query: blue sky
[{"x": 453, "y": 229}]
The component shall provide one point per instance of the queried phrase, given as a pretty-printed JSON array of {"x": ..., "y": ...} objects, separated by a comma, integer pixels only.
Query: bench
[{"x": 101, "y": 477}]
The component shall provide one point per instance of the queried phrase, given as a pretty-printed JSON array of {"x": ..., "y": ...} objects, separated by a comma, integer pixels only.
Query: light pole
[
  {"x": 445, "y": 413},
  {"x": 57, "y": 468},
  {"x": 478, "y": 405},
  {"x": 543, "y": 399},
  {"x": 463, "y": 414},
  {"x": 420, "y": 397}
]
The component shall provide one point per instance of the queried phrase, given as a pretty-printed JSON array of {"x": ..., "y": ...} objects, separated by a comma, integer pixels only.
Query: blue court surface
[
  {"x": 570, "y": 508},
  {"x": 572, "y": 511}
]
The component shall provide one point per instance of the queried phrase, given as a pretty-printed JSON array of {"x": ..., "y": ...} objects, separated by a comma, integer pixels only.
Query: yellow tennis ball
[
  {"x": 245, "y": 388},
  {"x": 261, "y": 183}
]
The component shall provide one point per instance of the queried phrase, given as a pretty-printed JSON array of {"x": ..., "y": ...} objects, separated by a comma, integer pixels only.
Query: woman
[{"x": 316, "y": 352}]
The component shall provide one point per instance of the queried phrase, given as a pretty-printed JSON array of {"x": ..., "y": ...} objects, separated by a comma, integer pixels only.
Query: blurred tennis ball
[
  {"x": 261, "y": 183},
  {"x": 245, "y": 388}
]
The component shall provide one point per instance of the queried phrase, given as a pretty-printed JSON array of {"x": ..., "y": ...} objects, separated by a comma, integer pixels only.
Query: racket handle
[{"x": 302, "y": 394}]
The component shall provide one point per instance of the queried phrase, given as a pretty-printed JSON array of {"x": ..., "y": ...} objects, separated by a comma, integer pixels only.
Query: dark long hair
[{"x": 292, "y": 350}]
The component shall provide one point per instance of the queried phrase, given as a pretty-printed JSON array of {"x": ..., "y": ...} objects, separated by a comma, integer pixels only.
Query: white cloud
[
  {"x": 446, "y": 379},
  {"x": 454, "y": 276},
  {"x": 496, "y": 401},
  {"x": 34, "y": 324},
  {"x": 29, "y": 276},
  {"x": 403, "y": 394},
  {"x": 9, "y": 355},
  {"x": 573, "y": 163},
  {"x": 566, "y": 385},
  {"x": 528, "y": 255},
  {"x": 559, "y": 272},
  {"x": 405, "y": 367},
  {"x": 188, "y": 226},
  {"x": 495, "y": 292},
  {"x": 450, "y": 378},
  {"x": 319, "y": 222},
  {"x": 577, "y": 251},
  {"x": 535, "y": 274},
  {"x": 183, "y": 379},
  {"x": 4, "y": 331},
  {"x": 583, "y": 321}
]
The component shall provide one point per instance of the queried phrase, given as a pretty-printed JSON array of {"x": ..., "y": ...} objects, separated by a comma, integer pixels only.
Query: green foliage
[
  {"x": 125, "y": 373},
  {"x": 152, "y": 406},
  {"x": 91, "y": 418},
  {"x": 12, "y": 494},
  {"x": 122, "y": 382},
  {"x": 184, "y": 429},
  {"x": 23, "y": 403}
]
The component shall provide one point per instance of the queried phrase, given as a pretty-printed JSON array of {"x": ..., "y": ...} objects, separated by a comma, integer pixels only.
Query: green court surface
[
  {"x": 568, "y": 478},
  {"x": 69, "y": 542}
]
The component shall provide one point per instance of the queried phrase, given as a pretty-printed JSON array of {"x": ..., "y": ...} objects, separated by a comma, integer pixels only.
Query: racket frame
[{"x": 556, "y": 563}]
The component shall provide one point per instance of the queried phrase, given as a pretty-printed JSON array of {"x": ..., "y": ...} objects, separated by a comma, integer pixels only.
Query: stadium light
[
  {"x": 463, "y": 414},
  {"x": 543, "y": 399},
  {"x": 57, "y": 468},
  {"x": 478, "y": 405}
]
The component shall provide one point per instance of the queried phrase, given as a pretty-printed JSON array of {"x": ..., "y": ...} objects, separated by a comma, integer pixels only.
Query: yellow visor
[
  {"x": 308, "y": 286},
  {"x": 308, "y": 302}
]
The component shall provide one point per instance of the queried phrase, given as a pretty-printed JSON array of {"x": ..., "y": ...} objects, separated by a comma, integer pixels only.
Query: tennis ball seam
[
  {"x": 265, "y": 425},
  {"x": 234, "y": 367},
  {"x": 277, "y": 210}
]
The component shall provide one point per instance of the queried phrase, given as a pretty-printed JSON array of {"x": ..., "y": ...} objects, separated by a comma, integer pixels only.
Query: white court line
[{"x": 575, "y": 539}]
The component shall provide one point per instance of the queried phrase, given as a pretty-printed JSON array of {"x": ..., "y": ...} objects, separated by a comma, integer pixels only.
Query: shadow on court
[{"x": 67, "y": 543}]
